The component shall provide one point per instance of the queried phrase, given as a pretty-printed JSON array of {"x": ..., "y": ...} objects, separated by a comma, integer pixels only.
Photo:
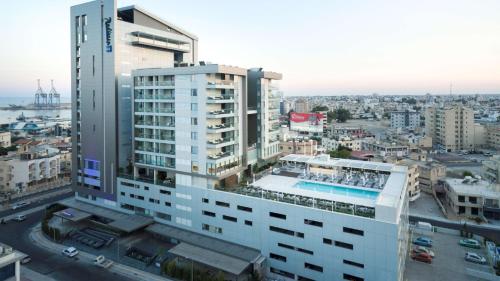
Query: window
[
  {"x": 282, "y": 230},
  {"x": 313, "y": 222},
  {"x": 163, "y": 191},
  {"x": 473, "y": 200},
  {"x": 352, "y": 277},
  {"x": 474, "y": 211},
  {"x": 461, "y": 210},
  {"x": 302, "y": 278},
  {"x": 354, "y": 231},
  {"x": 286, "y": 246},
  {"x": 461, "y": 198},
  {"x": 282, "y": 273},
  {"x": 327, "y": 241},
  {"x": 222, "y": 204},
  {"x": 146, "y": 187},
  {"x": 194, "y": 121},
  {"x": 211, "y": 228},
  {"x": 194, "y": 92},
  {"x": 204, "y": 200},
  {"x": 243, "y": 208},
  {"x": 194, "y": 150},
  {"x": 229, "y": 218},
  {"x": 168, "y": 204},
  {"x": 194, "y": 167},
  {"x": 343, "y": 245},
  {"x": 122, "y": 193},
  {"x": 360, "y": 265},
  {"x": 207, "y": 213},
  {"x": 305, "y": 251},
  {"x": 247, "y": 222},
  {"x": 194, "y": 135},
  {"x": 313, "y": 267},
  {"x": 194, "y": 107},
  {"x": 277, "y": 257},
  {"x": 277, "y": 215}
]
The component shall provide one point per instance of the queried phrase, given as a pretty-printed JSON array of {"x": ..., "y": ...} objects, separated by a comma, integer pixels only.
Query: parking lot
[{"x": 448, "y": 263}]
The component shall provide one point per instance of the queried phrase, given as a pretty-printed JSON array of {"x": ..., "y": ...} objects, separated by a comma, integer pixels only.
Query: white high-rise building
[{"x": 196, "y": 132}]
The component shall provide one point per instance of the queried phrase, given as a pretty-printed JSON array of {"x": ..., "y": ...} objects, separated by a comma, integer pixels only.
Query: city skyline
[{"x": 358, "y": 48}]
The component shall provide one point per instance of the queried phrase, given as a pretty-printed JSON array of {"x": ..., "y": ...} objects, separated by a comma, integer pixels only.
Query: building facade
[
  {"x": 451, "y": 128},
  {"x": 405, "y": 119},
  {"x": 5, "y": 139},
  {"x": 299, "y": 146},
  {"x": 106, "y": 45},
  {"x": 491, "y": 169}
]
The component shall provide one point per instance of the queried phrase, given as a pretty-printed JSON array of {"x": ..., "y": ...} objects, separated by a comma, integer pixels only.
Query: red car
[{"x": 423, "y": 257}]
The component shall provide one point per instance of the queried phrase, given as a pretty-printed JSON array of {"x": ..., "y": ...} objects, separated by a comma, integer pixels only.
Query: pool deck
[{"x": 286, "y": 184}]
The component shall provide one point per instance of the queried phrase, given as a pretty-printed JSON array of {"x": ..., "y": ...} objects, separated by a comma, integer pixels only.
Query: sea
[{"x": 9, "y": 116}]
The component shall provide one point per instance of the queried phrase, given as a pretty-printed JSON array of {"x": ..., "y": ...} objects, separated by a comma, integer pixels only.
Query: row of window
[
  {"x": 282, "y": 245},
  {"x": 290, "y": 275},
  {"x": 151, "y": 200},
  {"x": 227, "y": 205},
  {"x": 226, "y": 217}
]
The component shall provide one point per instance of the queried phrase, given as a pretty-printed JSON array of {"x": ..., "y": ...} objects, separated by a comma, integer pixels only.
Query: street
[{"x": 57, "y": 266}]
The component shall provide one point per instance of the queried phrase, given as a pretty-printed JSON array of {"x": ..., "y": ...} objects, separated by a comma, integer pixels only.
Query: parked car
[
  {"x": 423, "y": 257},
  {"x": 473, "y": 257},
  {"x": 470, "y": 243},
  {"x": 423, "y": 241},
  {"x": 422, "y": 249},
  {"x": 25, "y": 260},
  {"x": 101, "y": 261},
  {"x": 70, "y": 252},
  {"x": 20, "y": 218},
  {"x": 20, "y": 205}
]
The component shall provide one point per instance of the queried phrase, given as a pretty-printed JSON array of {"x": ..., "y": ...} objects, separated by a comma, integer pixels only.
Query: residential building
[
  {"x": 106, "y": 45},
  {"x": 299, "y": 145},
  {"x": 429, "y": 174},
  {"x": 353, "y": 143},
  {"x": 451, "y": 127},
  {"x": 471, "y": 197},
  {"x": 413, "y": 187},
  {"x": 29, "y": 170},
  {"x": 491, "y": 169},
  {"x": 493, "y": 136},
  {"x": 386, "y": 149},
  {"x": 405, "y": 119},
  {"x": 301, "y": 106},
  {"x": 5, "y": 139}
]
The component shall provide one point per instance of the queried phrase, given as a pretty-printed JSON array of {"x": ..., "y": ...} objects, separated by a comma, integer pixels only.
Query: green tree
[
  {"x": 341, "y": 152},
  {"x": 467, "y": 174},
  {"x": 318, "y": 108}
]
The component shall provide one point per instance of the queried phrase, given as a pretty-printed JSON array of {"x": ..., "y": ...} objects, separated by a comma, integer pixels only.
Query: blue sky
[{"x": 321, "y": 47}]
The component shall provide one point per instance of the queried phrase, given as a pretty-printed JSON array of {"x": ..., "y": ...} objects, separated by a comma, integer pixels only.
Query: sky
[{"x": 321, "y": 47}]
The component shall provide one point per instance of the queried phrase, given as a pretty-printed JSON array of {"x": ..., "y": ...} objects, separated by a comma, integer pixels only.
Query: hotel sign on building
[{"x": 307, "y": 122}]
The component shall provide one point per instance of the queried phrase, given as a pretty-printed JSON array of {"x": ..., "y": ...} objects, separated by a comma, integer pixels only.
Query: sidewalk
[{"x": 39, "y": 239}]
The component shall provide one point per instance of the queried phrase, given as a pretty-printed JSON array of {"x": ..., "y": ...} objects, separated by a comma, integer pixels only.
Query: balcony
[
  {"x": 166, "y": 151},
  {"x": 167, "y": 97},
  {"x": 220, "y": 99},
  {"x": 142, "y": 110},
  {"x": 220, "y": 113},
  {"x": 154, "y": 162},
  {"x": 145, "y": 148},
  {"x": 160, "y": 42},
  {"x": 140, "y": 123},
  {"x": 166, "y": 110},
  {"x": 165, "y": 124},
  {"x": 219, "y": 157},
  {"x": 220, "y": 84},
  {"x": 220, "y": 142},
  {"x": 221, "y": 128}
]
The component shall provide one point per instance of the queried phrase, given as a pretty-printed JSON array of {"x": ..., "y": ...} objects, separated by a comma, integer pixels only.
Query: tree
[
  {"x": 341, "y": 152},
  {"x": 318, "y": 108},
  {"x": 467, "y": 174},
  {"x": 341, "y": 115},
  {"x": 219, "y": 276},
  {"x": 386, "y": 115}
]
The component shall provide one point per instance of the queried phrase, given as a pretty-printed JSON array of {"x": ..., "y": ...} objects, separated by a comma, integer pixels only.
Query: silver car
[{"x": 473, "y": 257}]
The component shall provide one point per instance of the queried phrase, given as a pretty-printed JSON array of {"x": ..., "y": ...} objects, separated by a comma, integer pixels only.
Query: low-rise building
[
  {"x": 429, "y": 174},
  {"x": 5, "y": 139},
  {"x": 472, "y": 197},
  {"x": 10, "y": 263},
  {"x": 491, "y": 169},
  {"x": 302, "y": 146},
  {"x": 493, "y": 136},
  {"x": 413, "y": 188},
  {"x": 386, "y": 149},
  {"x": 20, "y": 172},
  {"x": 355, "y": 144}
]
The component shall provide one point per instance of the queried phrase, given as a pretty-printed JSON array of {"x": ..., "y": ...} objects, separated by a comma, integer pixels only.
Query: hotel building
[{"x": 195, "y": 133}]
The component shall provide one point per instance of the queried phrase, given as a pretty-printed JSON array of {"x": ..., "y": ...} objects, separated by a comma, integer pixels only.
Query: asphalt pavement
[{"x": 57, "y": 266}]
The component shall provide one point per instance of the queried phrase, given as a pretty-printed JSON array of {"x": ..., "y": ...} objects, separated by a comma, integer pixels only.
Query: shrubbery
[{"x": 183, "y": 272}]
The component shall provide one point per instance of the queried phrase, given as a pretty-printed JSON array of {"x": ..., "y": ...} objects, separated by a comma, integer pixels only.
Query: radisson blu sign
[{"x": 108, "y": 30}]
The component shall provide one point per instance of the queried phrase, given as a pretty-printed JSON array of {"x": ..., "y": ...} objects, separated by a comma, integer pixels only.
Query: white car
[
  {"x": 70, "y": 252},
  {"x": 20, "y": 218},
  {"x": 422, "y": 249},
  {"x": 473, "y": 257},
  {"x": 19, "y": 205}
]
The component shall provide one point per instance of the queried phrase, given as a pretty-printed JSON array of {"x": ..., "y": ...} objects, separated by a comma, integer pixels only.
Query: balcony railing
[
  {"x": 165, "y": 110},
  {"x": 220, "y": 97},
  {"x": 219, "y": 155},
  {"x": 220, "y": 112},
  {"x": 220, "y": 140},
  {"x": 220, "y": 83}
]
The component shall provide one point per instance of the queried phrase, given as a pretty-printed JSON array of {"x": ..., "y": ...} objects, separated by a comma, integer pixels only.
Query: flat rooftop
[{"x": 474, "y": 187}]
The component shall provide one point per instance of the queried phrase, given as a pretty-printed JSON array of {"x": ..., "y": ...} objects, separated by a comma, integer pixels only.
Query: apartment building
[
  {"x": 5, "y": 139},
  {"x": 471, "y": 197},
  {"x": 413, "y": 187},
  {"x": 451, "y": 127},
  {"x": 107, "y": 43},
  {"x": 491, "y": 169},
  {"x": 493, "y": 136},
  {"x": 299, "y": 145},
  {"x": 386, "y": 149},
  {"x": 195, "y": 132},
  {"x": 353, "y": 143},
  {"x": 20, "y": 172},
  {"x": 405, "y": 119},
  {"x": 301, "y": 106},
  {"x": 429, "y": 175}
]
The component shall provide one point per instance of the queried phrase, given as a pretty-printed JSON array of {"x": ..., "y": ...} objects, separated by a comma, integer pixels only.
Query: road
[
  {"x": 16, "y": 234},
  {"x": 491, "y": 233}
]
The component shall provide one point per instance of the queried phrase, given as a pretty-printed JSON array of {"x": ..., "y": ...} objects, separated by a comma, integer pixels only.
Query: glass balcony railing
[
  {"x": 220, "y": 140},
  {"x": 220, "y": 126},
  {"x": 220, "y": 112},
  {"x": 220, "y": 97},
  {"x": 165, "y": 110}
]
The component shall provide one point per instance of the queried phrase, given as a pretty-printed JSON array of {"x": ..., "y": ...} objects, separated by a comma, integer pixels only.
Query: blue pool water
[{"x": 339, "y": 190}]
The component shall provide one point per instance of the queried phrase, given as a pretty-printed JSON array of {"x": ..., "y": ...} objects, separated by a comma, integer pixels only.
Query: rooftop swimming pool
[{"x": 338, "y": 190}]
